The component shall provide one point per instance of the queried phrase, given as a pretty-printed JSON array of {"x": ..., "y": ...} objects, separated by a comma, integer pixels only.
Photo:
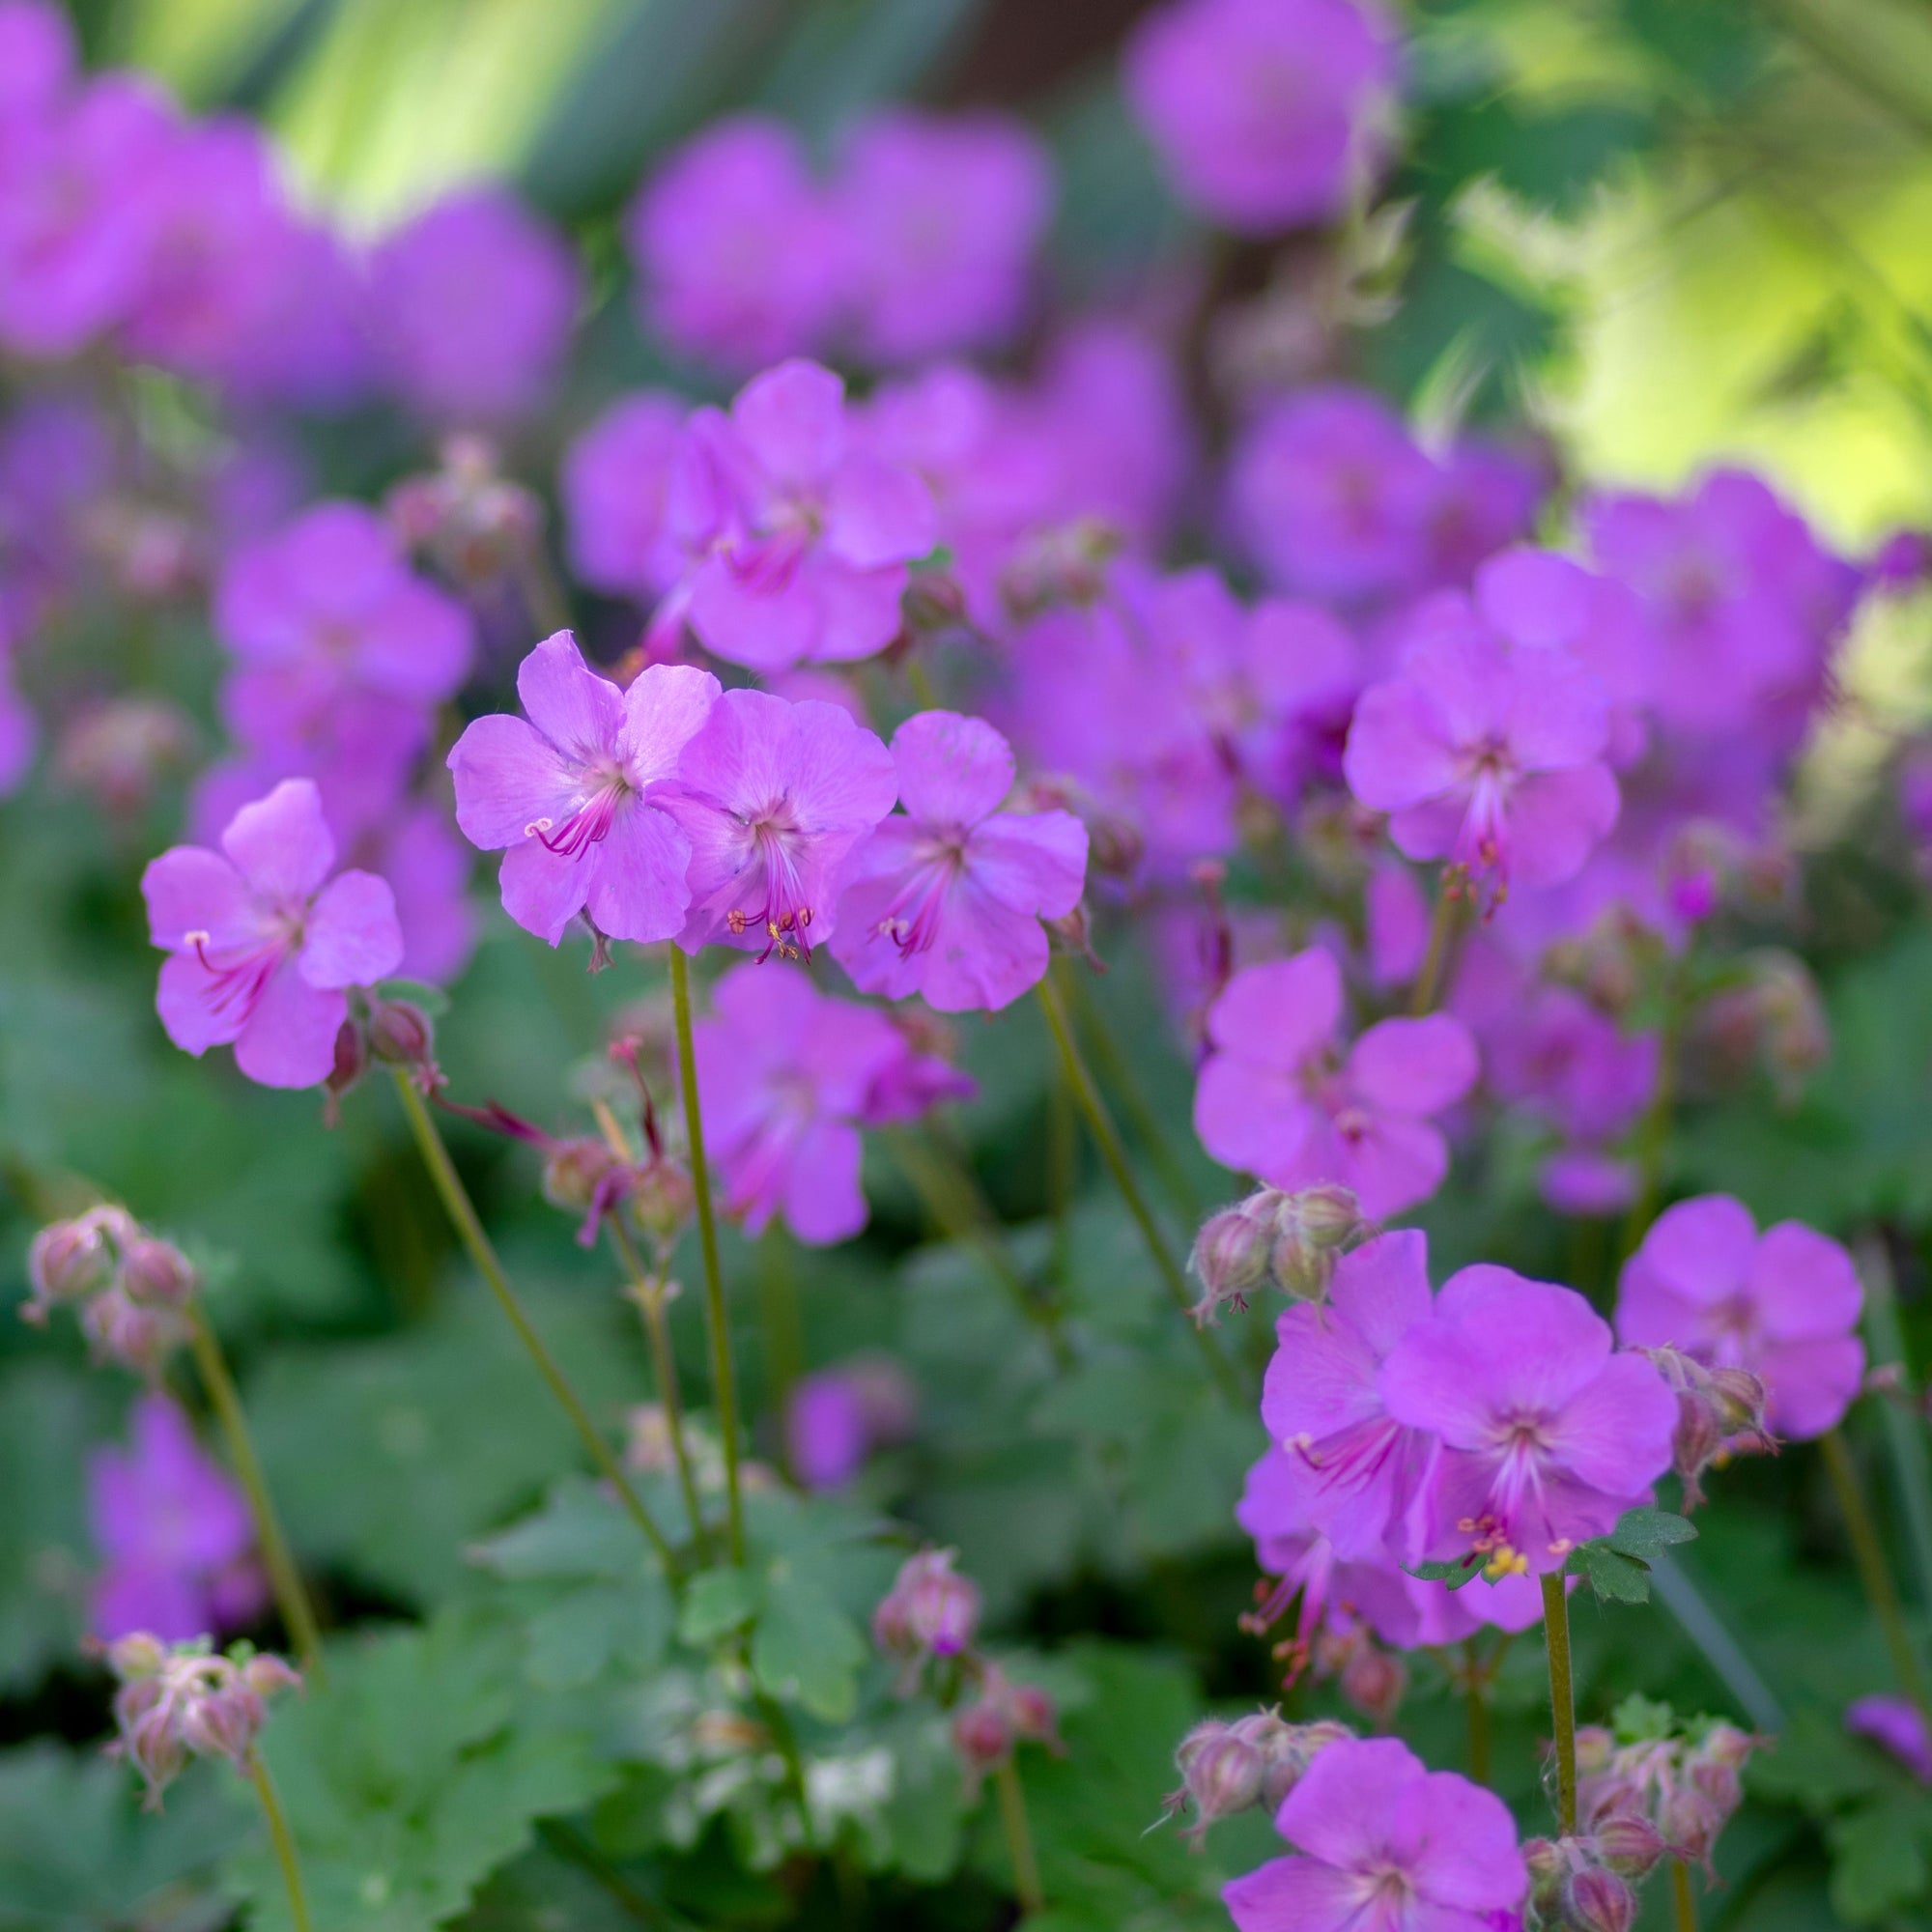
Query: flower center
[
  {"x": 912, "y": 919},
  {"x": 786, "y": 914},
  {"x": 238, "y": 976},
  {"x": 591, "y": 822}
]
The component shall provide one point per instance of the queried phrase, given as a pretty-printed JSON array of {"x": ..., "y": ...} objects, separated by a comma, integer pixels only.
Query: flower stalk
[
  {"x": 1874, "y": 1572},
  {"x": 648, "y": 1291},
  {"x": 282, "y": 1839},
  {"x": 1562, "y": 1699},
  {"x": 1445, "y": 926},
  {"x": 1683, "y": 1906},
  {"x": 1018, "y": 1836}
]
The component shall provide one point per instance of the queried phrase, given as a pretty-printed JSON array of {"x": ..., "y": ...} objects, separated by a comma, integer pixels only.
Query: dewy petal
[
  {"x": 352, "y": 937},
  {"x": 1339, "y": 1809},
  {"x": 952, "y": 770},
  {"x": 288, "y": 1039},
  {"x": 877, "y": 513},
  {"x": 1399, "y": 750},
  {"x": 281, "y": 844},
  {"x": 1458, "y": 1845},
  {"x": 1615, "y": 1432},
  {"x": 792, "y": 419},
  {"x": 1702, "y": 1249},
  {"x": 544, "y": 891},
  {"x": 636, "y": 884},
  {"x": 190, "y": 889},
  {"x": 1414, "y": 1066},
  {"x": 663, "y": 708},
  {"x": 1032, "y": 861},
  {"x": 1281, "y": 1012},
  {"x": 579, "y": 712},
  {"x": 1294, "y": 1895},
  {"x": 1803, "y": 1283},
  {"x": 508, "y": 775},
  {"x": 1250, "y": 1118},
  {"x": 1555, "y": 821}
]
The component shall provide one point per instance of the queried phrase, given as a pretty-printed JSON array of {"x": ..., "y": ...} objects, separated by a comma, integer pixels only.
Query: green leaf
[
  {"x": 806, "y": 1650},
  {"x": 1645, "y": 1531},
  {"x": 77, "y": 1854},
  {"x": 414, "y": 1773},
  {"x": 1613, "y": 1576},
  {"x": 1878, "y": 1859},
  {"x": 1642, "y": 1720},
  {"x": 1465, "y": 1570},
  {"x": 715, "y": 1601},
  {"x": 580, "y": 1532}
]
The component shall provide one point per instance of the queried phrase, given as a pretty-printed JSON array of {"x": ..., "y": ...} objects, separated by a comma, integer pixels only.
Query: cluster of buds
[
  {"x": 129, "y": 1288},
  {"x": 1775, "y": 1018},
  {"x": 388, "y": 1033},
  {"x": 1227, "y": 1768},
  {"x": 185, "y": 1700},
  {"x": 1062, "y": 566},
  {"x": 1719, "y": 1414},
  {"x": 477, "y": 526},
  {"x": 1293, "y": 1240},
  {"x": 930, "y": 1617},
  {"x": 118, "y": 751},
  {"x": 1576, "y": 1886},
  {"x": 1613, "y": 963}
]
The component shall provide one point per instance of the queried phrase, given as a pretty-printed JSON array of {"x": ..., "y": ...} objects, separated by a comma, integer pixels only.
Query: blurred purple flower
[
  {"x": 1266, "y": 113},
  {"x": 774, "y": 797},
  {"x": 836, "y": 1419},
  {"x": 946, "y": 900},
  {"x": 574, "y": 793},
  {"x": 798, "y": 536},
  {"x": 260, "y": 948},
  {"x": 1897, "y": 1725},
  {"x": 174, "y": 1532},
  {"x": 1548, "y": 1434},
  {"x": 38, "y": 56},
  {"x": 471, "y": 306},
  {"x": 615, "y": 483},
  {"x": 1784, "y": 1304},
  {"x": 1279, "y": 1098}
]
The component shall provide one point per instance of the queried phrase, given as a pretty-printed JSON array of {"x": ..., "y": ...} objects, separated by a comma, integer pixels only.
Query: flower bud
[
  {"x": 154, "y": 1743},
  {"x": 983, "y": 1736},
  {"x": 1549, "y": 1864},
  {"x": 1313, "y": 1230},
  {"x": 351, "y": 1063},
  {"x": 68, "y": 1262},
  {"x": 400, "y": 1033},
  {"x": 136, "y": 1657},
  {"x": 1033, "y": 1714},
  {"x": 1230, "y": 1256},
  {"x": 661, "y": 1200},
  {"x": 942, "y": 1608},
  {"x": 156, "y": 1274},
  {"x": 1595, "y": 1899},
  {"x": 1630, "y": 1844},
  {"x": 1220, "y": 1775},
  {"x": 222, "y": 1722},
  {"x": 574, "y": 1171},
  {"x": 136, "y": 1336},
  {"x": 1373, "y": 1681},
  {"x": 933, "y": 602}
]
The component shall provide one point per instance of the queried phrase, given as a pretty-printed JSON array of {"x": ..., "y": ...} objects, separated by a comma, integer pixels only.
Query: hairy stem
[
  {"x": 1874, "y": 1572},
  {"x": 1562, "y": 1699},
  {"x": 1019, "y": 1837},
  {"x": 1107, "y": 1138},
  {"x": 284, "y": 1579},
  {"x": 1683, "y": 1905},
  {"x": 647, "y": 1291},
  {"x": 1443, "y": 929},
  {"x": 724, "y": 1375},
  {"x": 468, "y": 1226},
  {"x": 284, "y": 1843}
]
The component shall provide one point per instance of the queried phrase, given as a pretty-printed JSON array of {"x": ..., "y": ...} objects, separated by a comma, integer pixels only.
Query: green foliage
[{"x": 1617, "y": 1565}]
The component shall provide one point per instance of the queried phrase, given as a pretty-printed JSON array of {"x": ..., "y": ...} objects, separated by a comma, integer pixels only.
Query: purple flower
[
  {"x": 1487, "y": 756},
  {"x": 574, "y": 793},
  {"x": 428, "y": 870},
  {"x": 782, "y": 1076},
  {"x": 1386, "y": 1846},
  {"x": 739, "y": 260},
  {"x": 1784, "y": 1304},
  {"x": 615, "y": 483},
  {"x": 1265, "y": 112},
  {"x": 798, "y": 536},
  {"x": 470, "y": 305},
  {"x": 1546, "y": 1434},
  {"x": 1323, "y": 1406},
  {"x": 942, "y": 216},
  {"x": 946, "y": 900},
  {"x": 38, "y": 56},
  {"x": 19, "y": 730},
  {"x": 328, "y": 608},
  {"x": 773, "y": 798},
  {"x": 174, "y": 1532},
  {"x": 1278, "y": 1098},
  {"x": 260, "y": 947},
  {"x": 1898, "y": 1725},
  {"x": 836, "y": 1419}
]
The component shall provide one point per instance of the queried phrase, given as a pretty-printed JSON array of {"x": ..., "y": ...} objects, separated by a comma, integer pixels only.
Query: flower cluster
[{"x": 131, "y": 1288}]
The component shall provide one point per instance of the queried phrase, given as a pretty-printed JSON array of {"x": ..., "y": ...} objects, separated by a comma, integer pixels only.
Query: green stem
[
  {"x": 1119, "y": 1077},
  {"x": 953, "y": 1211},
  {"x": 1443, "y": 927},
  {"x": 779, "y": 1318},
  {"x": 1107, "y": 1138},
  {"x": 1063, "y": 1172},
  {"x": 464, "y": 1218},
  {"x": 1562, "y": 1699},
  {"x": 1476, "y": 1701},
  {"x": 284, "y": 1579},
  {"x": 284, "y": 1843},
  {"x": 919, "y": 682},
  {"x": 723, "y": 1377},
  {"x": 647, "y": 1291},
  {"x": 1904, "y": 1425},
  {"x": 1868, "y": 1552},
  {"x": 1683, "y": 1904},
  {"x": 1019, "y": 1837}
]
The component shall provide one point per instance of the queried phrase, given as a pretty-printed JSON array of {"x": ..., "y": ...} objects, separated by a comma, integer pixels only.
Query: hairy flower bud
[
  {"x": 1230, "y": 1256},
  {"x": 136, "y": 1657},
  {"x": 1595, "y": 1899},
  {"x": 1291, "y": 1240},
  {"x": 400, "y": 1033},
  {"x": 982, "y": 1735},
  {"x": 351, "y": 1063},
  {"x": 156, "y": 1274},
  {"x": 661, "y": 1200},
  {"x": 223, "y": 1722},
  {"x": 1221, "y": 1773},
  {"x": 131, "y": 1334},
  {"x": 1033, "y": 1714},
  {"x": 1630, "y": 1844},
  {"x": 574, "y": 1170},
  {"x": 67, "y": 1261}
]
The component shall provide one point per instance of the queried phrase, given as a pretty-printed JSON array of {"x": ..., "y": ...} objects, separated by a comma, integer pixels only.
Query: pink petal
[
  {"x": 984, "y": 956},
  {"x": 281, "y": 844},
  {"x": 1322, "y": 1378},
  {"x": 1534, "y": 597},
  {"x": 417, "y": 645},
  {"x": 1458, "y": 1844},
  {"x": 1812, "y": 1384},
  {"x": 1615, "y": 1434},
  {"x": 1294, "y": 1892},
  {"x": 844, "y": 778},
  {"x": 1339, "y": 1811},
  {"x": 1399, "y": 749},
  {"x": 1414, "y": 1066},
  {"x": 190, "y": 889},
  {"x": 507, "y": 775},
  {"x": 544, "y": 891},
  {"x": 859, "y": 610},
  {"x": 823, "y": 1203},
  {"x": 1558, "y": 1342},
  {"x": 1702, "y": 1249},
  {"x": 579, "y": 712},
  {"x": 952, "y": 770},
  {"x": 1280, "y": 1012},
  {"x": 637, "y": 882},
  {"x": 793, "y": 420},
  {"x": 1383, "y": 1286},
  {"x": 1559, "y": 715},
  {"x": 877, "y": 513},
  {"x": 748, "y": 623},
  {"x": 352, "y": 937},
  {"x": 290, "y": 1038},
  {"x": 663, "y": 708},
  {"x": 1803, "y": 1283},
  {"x": 186, "y": 999},
  {"x": 1394, "y": 1164},
  {"x": 1556, "y": 819},
  {"x": 1034, "y": 861},
  {"x": 1250, "y": 1118},
  {"x": 1653, "y": 1315}
]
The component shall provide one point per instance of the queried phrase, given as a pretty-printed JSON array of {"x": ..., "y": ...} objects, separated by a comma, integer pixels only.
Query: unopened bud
[
  {"x": 1630, "y": 1844},
  {"x": 1549, "y": 1864},
  {"x": 1373, "y": 1681},
  {"x": 982, "y": 1735},
  {"x": 400, "y": 1033},
  {"x": 156, "y": 1274},
  {"x": 351, "y": 1061},
  {"x": 661, "y": 1200},
  {"x": 574, "y": 1171},
  {"x": 135, "y": 1656},
  {"x": 1230, "y": 1256},
  {"x": 1595, "y": 1899},
  {"x": 267, "y": 1675},
  {"x": 933, "y": 602},
  {"x": 68, "y": 1262},
  {"x": 222, "y": 1722},
  {"x": 136, "y": 1337},
  {"x": 1033, "y": 1714},
  {"x": 1220, "y": 1775},
  {"x": 1313, "y": 1230}
]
